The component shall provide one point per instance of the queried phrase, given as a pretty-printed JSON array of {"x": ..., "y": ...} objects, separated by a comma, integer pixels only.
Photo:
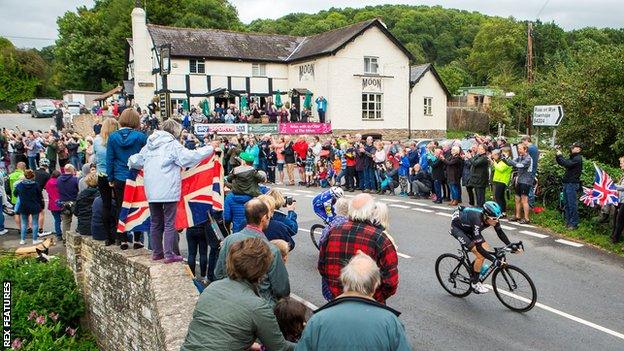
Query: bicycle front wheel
[
  {"x": 453, "y": 274},
  {"x": 315, "y": 234},
  {"x": 514, "y": 288}
]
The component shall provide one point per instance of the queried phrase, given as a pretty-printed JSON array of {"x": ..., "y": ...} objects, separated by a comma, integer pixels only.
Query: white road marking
[
  {"x": 521, "y": 225},
  {"x": 398, "y": 206},
  {"x": 506, "y": 227},
  {"x": 308, "y": 304},
  {"x": 444, "y": 214},
  {"x": 403, "y": 255},
  {"x": 417, "y": 203},
  {"x": 567, "y": 242},
  {"x": 305, "y": 191},
  {"x": 444, "y": 208},
  {"x": 304, "y": 230},
  {"x": 562, "y": 314},
  {"x": 537, "y": 235},
  {"x": 422, "y": 210},
  {"x": 310, "y": 196}
]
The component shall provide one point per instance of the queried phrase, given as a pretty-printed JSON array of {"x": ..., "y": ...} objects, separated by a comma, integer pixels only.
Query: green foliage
[
  {"x": 454, "y": 75},
  {"x": 46, "y": 334},
  {"x": 44, "y": 288},
  {"x": 21, "y": 72}
]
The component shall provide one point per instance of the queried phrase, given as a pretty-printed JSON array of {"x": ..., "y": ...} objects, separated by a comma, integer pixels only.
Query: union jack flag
[
  {"x": 587, "y": 198},
  {"x": 604, "y": 191},
  {"x": 201, "y": 191}
]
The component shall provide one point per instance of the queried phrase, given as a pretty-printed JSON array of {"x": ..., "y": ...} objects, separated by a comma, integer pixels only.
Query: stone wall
[
  {"x": 393, "y": 134},
  {"x": 132, "y": 302}
]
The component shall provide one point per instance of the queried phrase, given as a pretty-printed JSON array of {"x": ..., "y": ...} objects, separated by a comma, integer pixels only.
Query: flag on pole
[
  {"x": 201, "y": 191},
  {"x": 587, "y": 198},
  {"x": 604, "y": 191}
]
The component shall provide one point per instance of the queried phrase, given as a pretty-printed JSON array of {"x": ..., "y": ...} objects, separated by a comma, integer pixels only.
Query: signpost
[
  {"x": 164, "y": 103},
  {"x": 548, "y": 116}
]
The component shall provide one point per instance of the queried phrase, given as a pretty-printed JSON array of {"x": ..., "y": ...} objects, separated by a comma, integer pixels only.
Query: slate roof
[
  {"x": 418, "y": 71},
  {"x": 229, "y": 45}
]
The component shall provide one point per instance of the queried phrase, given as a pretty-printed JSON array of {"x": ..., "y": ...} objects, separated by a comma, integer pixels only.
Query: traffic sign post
[{"x": 548, "y": 116}]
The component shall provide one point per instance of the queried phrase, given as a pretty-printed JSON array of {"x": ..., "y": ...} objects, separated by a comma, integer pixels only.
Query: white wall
[{"x": 428, "y": 86}]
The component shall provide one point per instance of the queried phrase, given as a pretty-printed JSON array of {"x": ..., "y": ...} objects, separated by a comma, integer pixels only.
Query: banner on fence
[
  {"x": 263, "y": 128},
  {"x": 202, "y": 128},
  {"x": 305, "y": 128}
]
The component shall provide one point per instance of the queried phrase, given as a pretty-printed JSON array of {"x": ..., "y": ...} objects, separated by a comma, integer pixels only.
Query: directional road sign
[{"x": 547, "y": 115}]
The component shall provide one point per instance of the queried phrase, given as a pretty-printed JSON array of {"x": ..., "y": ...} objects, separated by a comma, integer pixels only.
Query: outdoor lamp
[{"x": 165, "y": 59}]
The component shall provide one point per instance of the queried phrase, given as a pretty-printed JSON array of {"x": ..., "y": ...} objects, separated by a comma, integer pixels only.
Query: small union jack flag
[
  {"x": 588, "y": 198},
  {"x": 604, "y": 192},
  {"x": 201, "y": 191}
]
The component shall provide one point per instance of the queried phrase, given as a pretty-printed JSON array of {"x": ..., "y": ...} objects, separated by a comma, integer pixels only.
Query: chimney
[{"x": 141, "y": 48}]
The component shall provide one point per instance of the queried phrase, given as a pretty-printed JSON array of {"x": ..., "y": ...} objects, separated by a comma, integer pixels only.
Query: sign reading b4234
[{"x": 547, "y": 115}]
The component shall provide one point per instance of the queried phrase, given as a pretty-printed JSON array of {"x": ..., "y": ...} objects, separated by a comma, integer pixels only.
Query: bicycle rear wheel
[
  {"x": 315, "y": 234},
  {"x": 514, "y": 288},
  {"x": 453, "y": 274}
]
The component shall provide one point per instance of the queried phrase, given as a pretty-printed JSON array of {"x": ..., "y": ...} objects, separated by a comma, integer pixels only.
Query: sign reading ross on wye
[{"x": 547, "y": 115}]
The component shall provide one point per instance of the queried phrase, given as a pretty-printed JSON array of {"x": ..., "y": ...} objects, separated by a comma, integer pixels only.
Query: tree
[
  {"x": 218, "y": 14},
  {"x": 454, "y": 76},
  {"x": 21, "y": 72}
]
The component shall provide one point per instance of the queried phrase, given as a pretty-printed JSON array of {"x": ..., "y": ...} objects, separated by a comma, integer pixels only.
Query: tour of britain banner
[
  {"x": 305, "y": 128},
  {"x": 202, "y": 128}
]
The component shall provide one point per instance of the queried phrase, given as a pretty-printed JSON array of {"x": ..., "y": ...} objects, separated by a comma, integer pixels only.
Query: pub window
[
  {"x": 258, "y": 69},
  {"x": 371, "y": 106},
  {"x": 428, "y": 104},
  {"x": 370, "y": 65},
  {"x": 197, "y": 66}
]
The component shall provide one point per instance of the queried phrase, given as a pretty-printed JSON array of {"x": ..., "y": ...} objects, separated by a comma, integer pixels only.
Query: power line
[
  {"x": 542, "y": 9},
  {"x": 31, "y": 38}
]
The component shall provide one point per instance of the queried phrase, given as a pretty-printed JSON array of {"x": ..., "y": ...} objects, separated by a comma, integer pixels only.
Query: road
[
  {"x": 24, "y": 122},
  {"x": 580, "y": 303}
]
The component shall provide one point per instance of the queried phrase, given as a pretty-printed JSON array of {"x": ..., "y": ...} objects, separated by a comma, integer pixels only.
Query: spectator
[
  {"x": 616, "y": 236},
  {"x": 421, "y": 181},
  {"x": 279, "y": 152},
  {"x": 300, "y": 147},
  {"x": 533, "y": 151},
  {"x": 479, "y": 174},
  {"x": 341, "y": 245},
  {"x": 196, "y": 240},
  {"x": 523, "y": 164},
  {"x": 14, "y": 178},
  {"x": 290, "y": 217},
  {"x": 276, "y": 284},
  {"x": 67, "y": 185},
  {"x": 53, "y": 202},
  {"x": 500, "y": 178},
  {"x": 354, "y": 320},
  {"x": 84, "y": 204},
  {"x": 466, "y": 173},
  {"x": 289, "y": 159},
  {"x": 4, "y": 201},
  {"x": 29, "y": 197},
  {"x": 42, "y": 175},
  {"x": 437, "y": 173},
  {"x": 276, "y": 229},
  {"x": 245, "y": 179},
  {"x": 229, "y": 315},
  {"x": 321, "y": 108},
  {"x": 454, "y": 168},
  {"x": 122, "y": 144},
  {"x": 291, "y": 317},
  {"x": 234, "y": 211},
  {"x": 109, "y": 126},
  {"x": 571, "y": 184},
  {"x": 163, "y": 158}
]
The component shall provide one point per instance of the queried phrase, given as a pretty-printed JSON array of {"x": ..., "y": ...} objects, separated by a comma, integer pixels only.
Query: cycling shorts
[
  {"x": 466, "y": 240},
  {"x": 523, "y": 189}
]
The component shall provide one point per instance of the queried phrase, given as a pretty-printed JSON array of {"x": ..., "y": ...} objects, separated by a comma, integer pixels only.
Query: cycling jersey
[
  {"x": 323, "y": 205},
  {"x": 466, "y": 226}
]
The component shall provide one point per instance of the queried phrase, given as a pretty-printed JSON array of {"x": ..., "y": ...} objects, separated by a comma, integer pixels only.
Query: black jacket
[
  {"x": 437, "y": 170},
  {"x": 573, "y": 166},
  {"x": 83, "y": 209},
  {"x": 454, "y": 166},
  {"x": 479, "y": 171}
]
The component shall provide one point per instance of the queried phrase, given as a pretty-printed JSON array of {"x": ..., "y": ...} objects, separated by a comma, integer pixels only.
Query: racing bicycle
[
  {"x": 315, "y": 233},
  {"x": 512, "y": 286}
]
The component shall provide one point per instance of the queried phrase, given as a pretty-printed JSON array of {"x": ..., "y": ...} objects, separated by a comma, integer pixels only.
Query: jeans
[
  {"x": 196, "y": 239},
  {"x": 57, "y": 224},
  {"x": 570, "y": 195},
  {"x": 362, "y": 182},
  {"x": 499, "y": 195},
  {"x": 339, "y": 176},
  {"x": 532, "y": 195},
  {"x": 162, "y": 226},
  {"x": 35, "y": 225},
  {"x": 480, "y": 196},
  {"x": 76, "y": 161},
  {"x": 1, "y": 221},
  {"x": 263, "y": 164},
  {"x": 437, "y": 187},
  {"x": 369, "y": 176},
  {"x": 455, "y": 191},
  {"x": 321, "y": 114},
  {"x": 32, "y": 162}
]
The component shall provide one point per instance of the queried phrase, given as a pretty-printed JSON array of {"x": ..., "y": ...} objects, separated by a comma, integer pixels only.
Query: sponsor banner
[
  {"x": 305, "y": 128},
  {"x": 262, "y": 128},
  {"x": 203, "y": 128}
]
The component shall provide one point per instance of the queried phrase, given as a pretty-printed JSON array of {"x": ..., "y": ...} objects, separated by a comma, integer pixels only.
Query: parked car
[
  {"x": 23, "y": 107},
  {"x": 42, "y": 108},
  {"x": 74, "y": 108}
]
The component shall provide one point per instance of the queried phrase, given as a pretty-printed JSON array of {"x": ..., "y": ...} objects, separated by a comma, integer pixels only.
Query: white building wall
[
  {"x": 317, "y": 83},
  {"x": 141, "y": 46},
  {"x": 428, "y": 86}
]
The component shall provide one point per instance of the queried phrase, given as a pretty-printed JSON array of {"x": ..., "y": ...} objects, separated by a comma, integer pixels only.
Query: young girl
[
  {"x": 310, "y": 168},
  {"x": 337, "y": 167},
  {"x": 291, "y": 318},
  {"x": 322, "y": 176}
]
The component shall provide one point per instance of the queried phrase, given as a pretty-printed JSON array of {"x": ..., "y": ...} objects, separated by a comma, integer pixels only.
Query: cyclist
[
  {"x": 466, "y": 226},
  {"x": 323, "y": 203}
]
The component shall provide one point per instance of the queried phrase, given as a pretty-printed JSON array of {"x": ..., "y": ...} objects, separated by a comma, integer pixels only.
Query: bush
[{"x": 43, "y": 290}]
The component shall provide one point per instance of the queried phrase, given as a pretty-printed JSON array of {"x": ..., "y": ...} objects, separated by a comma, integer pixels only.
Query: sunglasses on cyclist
[{"x": 493, "y": 218}]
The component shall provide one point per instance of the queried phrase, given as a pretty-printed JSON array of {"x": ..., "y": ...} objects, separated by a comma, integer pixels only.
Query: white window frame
[
  {"x": 369, "y": 62},
  {"x": 258, "y": 70},
  {"x": 372, "y": 107},
  {"x": 428, "y": 106},
  {"x": 199, "y": 65}
]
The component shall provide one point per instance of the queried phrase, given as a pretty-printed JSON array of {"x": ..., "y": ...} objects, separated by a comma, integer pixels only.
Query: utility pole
[{"x": 529, "y": 65}]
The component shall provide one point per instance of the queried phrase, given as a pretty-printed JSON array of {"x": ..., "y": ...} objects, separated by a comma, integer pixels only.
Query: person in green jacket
[
  {"x": 500, "y": 179},
  {"x": 276, "y": 283},
  {"x": 229, "y": 315},
  {"x": 354, "y": 320},
  {"x": 14, "y": 178}
]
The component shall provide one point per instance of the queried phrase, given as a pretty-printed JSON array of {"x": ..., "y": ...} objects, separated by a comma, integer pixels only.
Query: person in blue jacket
[
  {"x": 276, "y": 229},
  {"x": 323, "y": 203}
]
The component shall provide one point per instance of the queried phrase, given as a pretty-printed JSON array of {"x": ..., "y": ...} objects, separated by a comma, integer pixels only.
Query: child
[
  {"x": 310, "y": 167},
  {"x": 284, "y": 248},
  {"x": 389, "y": 178},
  {"x": 272, "y": 163},
  {"x": 84, "y": 204},
  {"x": 404, "y": 169},
  {"x": 245, "y": 179},
  {"x": 291, "y": 318},
  {"x": 337, "y": 167},
  {"x": 322, "y": 176}
]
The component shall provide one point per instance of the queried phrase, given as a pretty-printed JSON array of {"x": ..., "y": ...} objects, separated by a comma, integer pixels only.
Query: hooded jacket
[
  {"x": 29, "y": 196},
  {"x": 83, "y": 211},
  {"x": 234, "y": 210},
  {"x": 245, "y": 179},
  {"x": 162, "y": 159},
  {"x": 122, "y": 144},
  {"x": 67, "y": 185},
  {"x": 573, "y": 166}
]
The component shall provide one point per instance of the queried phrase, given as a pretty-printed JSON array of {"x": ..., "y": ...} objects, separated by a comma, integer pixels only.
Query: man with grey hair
[
  {"x": 354, "y": 320},
  {"x": 345, "y": 240}
]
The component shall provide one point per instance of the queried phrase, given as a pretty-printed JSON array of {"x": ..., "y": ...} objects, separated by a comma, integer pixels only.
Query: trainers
[
  {"x": 137, "y": 246},
  {"x": 22, "y": 242},
  {"x": 42, "y": 234},
  {"x": 37, "y": 242},
  {"x": 124, "y": 246},
  {"x": 3, "y": 231},
  {"x": 479, "y": 288}
]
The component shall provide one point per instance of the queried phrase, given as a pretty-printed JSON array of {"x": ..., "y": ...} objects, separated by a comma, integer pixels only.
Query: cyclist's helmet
[
  {"x": 336, "y": 192},
  {"x": 492, "y": 209}
]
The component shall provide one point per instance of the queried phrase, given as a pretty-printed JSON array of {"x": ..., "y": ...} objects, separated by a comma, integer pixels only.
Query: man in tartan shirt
[{"x": 358, "y": 234}]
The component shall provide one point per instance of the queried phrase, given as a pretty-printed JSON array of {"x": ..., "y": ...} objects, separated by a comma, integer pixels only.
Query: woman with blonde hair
[
  {"x": 381, "y": 217},
  {"x": 276, "y": 230},
  {"x": 288, "y": 216},
  {"x": 106, "y": 192}
]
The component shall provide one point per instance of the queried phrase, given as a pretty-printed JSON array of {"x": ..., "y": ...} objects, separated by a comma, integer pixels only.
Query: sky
[{"x": 22, "y": 20}]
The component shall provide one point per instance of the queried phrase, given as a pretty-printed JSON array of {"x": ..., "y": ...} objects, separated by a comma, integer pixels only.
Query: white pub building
[{"x": 362, "y": 71}]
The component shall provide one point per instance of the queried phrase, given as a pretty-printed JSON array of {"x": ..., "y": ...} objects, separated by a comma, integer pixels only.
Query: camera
[{"x": 290, "y": 200}]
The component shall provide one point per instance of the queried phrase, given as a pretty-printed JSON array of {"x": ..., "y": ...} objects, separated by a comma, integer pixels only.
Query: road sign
[
  {"x": 164, "y": 103},
  {"x": 547, "y": 115}
]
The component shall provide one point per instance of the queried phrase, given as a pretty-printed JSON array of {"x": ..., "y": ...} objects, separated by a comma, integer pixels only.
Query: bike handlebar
[{"x": 500, "y": 251}]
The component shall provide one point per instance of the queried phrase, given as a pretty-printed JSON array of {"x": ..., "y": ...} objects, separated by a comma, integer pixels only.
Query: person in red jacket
[{"x": 301, "y": 149}]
